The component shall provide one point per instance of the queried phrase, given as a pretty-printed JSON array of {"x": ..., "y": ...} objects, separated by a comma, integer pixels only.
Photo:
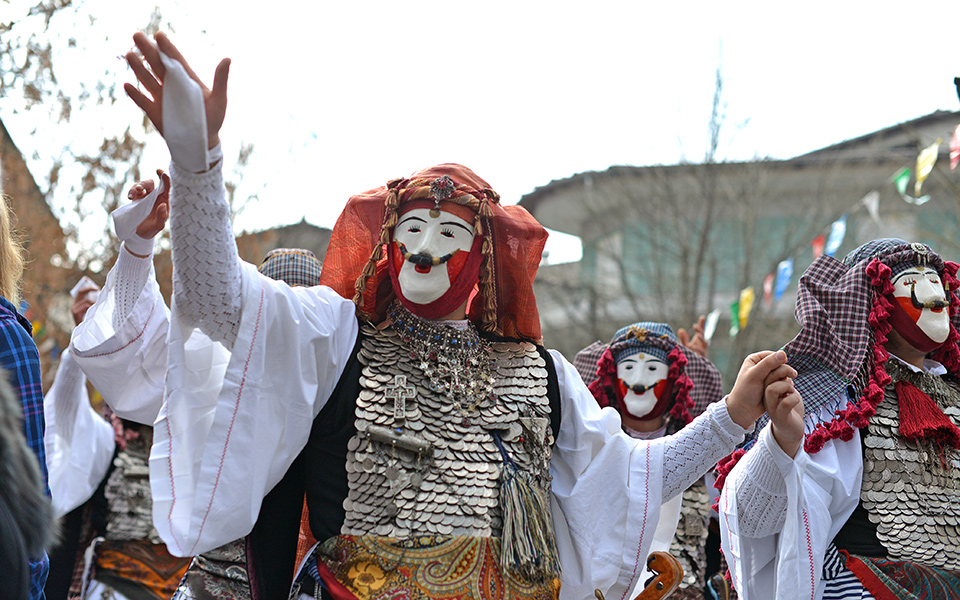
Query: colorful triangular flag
[
  {"x": 872, "y": 203},
  {"x": 901, "y": 180},
  {"x": 747, "y": 297},
  {"x": 925, "y": 161},
  {"x": 817, "y": 245},
  {"x": 735, "y": 318},
  {"x": 838, "y": 230},
  {"x": 784, "y": 274},
  {"x": 710, "y": 324},
  {"x": 768, "y": 289}
]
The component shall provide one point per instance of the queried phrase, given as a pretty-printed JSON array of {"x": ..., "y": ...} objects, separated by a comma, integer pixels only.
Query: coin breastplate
[
  {"x": 911, "y": 496},
  {"x": 423, "y": 460}
]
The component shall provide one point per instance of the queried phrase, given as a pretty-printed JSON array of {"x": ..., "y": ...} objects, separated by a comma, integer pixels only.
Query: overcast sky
[{"x": 339, "y": 97}]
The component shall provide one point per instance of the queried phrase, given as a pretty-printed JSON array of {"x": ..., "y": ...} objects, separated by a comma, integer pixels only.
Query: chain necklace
[{"x": 455, "y": 361}]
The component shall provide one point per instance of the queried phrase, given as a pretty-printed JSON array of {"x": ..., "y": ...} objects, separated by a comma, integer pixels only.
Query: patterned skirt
[
  {"x": 421, "y": 568},
  {"x": 900, "y": 580}
]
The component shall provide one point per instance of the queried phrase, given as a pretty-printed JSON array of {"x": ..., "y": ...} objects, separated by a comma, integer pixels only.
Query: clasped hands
[{"x": 765, "y": 384}]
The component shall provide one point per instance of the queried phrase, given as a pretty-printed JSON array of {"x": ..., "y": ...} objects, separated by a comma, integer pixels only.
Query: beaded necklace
[{"x": 456, "y": 362}]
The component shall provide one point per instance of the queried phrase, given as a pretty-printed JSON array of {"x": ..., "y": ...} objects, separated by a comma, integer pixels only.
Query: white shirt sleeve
[
  {"x": 126, "y": 358},
  {"x": 608, "y": 487},
  {"x": 79, "y": 442},
  {"x": 206, "y": 273},
  {"x": 234, "y": 421},
  {"x": 784, "y": 559}
]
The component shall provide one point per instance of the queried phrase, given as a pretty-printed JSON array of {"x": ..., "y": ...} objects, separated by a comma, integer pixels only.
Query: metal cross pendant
[{"x": 399, "y": 391}]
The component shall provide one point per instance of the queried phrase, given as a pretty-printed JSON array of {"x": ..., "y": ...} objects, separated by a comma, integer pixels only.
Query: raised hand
[
  {"x": 785, "y": 407},
  {"x": 157, "y": 219},
  {"x": 151, "y": 76},
  {"x": 82, "y": 302},
  {"x": 698, "y": 343},
  {"x": 746, "y": 401}
]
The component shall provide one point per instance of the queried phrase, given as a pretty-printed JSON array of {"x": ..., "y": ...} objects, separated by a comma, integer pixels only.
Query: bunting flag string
[
  {"x": 925, "y": 161},
  {"x": 768, "y": 290},
  {"x": 955, "y": 148},
  {"x": 817, "y": 245},
  {"x": 710, "y": 324},
  {"x": 830, "y": 243}
]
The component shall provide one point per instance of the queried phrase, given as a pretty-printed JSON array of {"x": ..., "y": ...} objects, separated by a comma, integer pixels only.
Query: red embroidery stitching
[
  {"x": 139, "y": 335},
  {"x": 643, "y": 526},
  {"x": 233, "y": 418},
  {"x": 813, "y": 584},
  {"x": 173, "y": 488}
]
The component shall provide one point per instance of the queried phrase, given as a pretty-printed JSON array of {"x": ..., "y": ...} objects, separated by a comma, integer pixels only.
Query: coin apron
[
  {"x": 423, "y": 460},
  {"x": 911, "y": 495}
]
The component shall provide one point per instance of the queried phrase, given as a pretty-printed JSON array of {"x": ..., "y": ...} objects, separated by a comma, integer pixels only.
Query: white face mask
[
  {"x": 923, "y": 285},
  {"x": 434, "y": 236},
  {"x": 641, "y": 370}
]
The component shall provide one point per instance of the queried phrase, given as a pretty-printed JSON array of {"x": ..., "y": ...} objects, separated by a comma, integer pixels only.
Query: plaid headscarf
[
  {"x": 701, "y": 379},
  {"x": 293, "y": 266},
  {"x": 842, "y": 308},
  {"x": 585, "y": 362}
]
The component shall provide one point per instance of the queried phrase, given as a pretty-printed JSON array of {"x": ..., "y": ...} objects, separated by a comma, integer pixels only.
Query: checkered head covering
[
  {"x": 585, "y": 362},
  {"x": 843, "y": 310},
  {"x": 293, "y": 266},
  {"x": 694, "y": 380}
]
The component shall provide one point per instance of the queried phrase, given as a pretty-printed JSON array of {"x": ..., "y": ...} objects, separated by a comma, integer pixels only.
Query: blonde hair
[{"x": 11, "y": 254}]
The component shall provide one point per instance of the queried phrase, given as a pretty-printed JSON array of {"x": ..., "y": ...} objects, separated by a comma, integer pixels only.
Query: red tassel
[
  {"x": 922, "y": 419},
  {"x": 726, "y": 465}
]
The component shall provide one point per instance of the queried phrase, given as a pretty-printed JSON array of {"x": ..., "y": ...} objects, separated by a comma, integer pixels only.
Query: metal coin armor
[
  {"x": 912, "y": 497},
  {"x": 424, "y": 460}
]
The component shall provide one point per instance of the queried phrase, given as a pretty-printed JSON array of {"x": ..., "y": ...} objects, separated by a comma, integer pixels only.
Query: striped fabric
[
  {"x": 839, "y": 582},
  {"x": 19, "y": 357}
]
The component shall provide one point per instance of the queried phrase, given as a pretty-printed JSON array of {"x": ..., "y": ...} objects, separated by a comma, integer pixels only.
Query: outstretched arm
[
  {"x": 189, "y": 115},
  {"x": 696, "y": 448}
]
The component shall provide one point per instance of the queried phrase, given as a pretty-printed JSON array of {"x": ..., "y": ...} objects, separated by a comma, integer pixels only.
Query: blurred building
[
  {"x": 45, "y": 280},
  {"x": 254, "y": 246},
  {"x": 667, "y": 243}
]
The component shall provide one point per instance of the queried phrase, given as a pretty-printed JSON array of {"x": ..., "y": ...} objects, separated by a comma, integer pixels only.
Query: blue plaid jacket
[{"x": 19, "y": 357}]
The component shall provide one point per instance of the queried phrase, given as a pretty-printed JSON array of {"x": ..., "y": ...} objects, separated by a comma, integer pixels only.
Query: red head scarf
[{"x": 503, "y": 303}]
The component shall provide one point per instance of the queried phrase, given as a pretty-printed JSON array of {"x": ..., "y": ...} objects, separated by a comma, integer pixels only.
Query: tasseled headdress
[
  {"x": 512, "y": 242},
  {"x": 689, "y": 397},
  {"x": 835, "y": 322}
]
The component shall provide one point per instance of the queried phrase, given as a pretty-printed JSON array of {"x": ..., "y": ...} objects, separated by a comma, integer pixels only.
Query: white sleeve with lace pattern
[
  {"x": 206, "y": 266},
  {"x": 696, "y": 448}
]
